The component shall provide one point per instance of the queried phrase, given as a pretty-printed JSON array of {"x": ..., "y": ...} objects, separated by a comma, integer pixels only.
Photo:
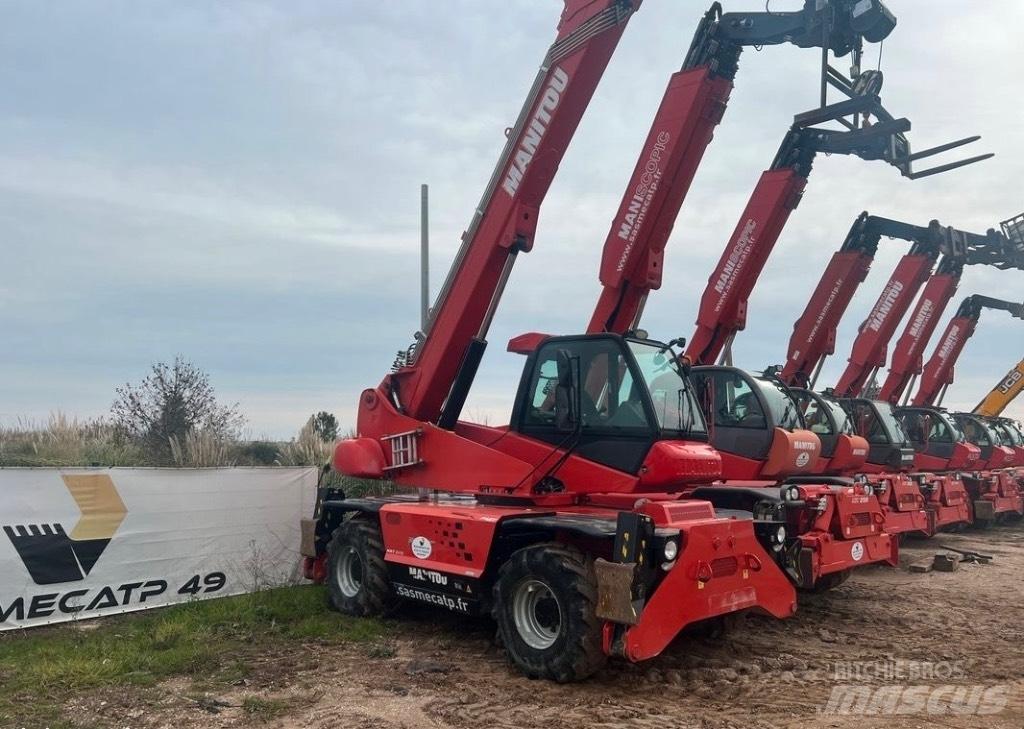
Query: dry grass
[
  {"x": 202, "y": 449},
  {"x": 305, "y": 450},
  {"x": 66, "y": 441}
]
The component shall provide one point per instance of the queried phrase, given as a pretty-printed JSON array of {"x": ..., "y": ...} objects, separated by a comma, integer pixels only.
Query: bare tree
[{"x": 170, "y": 403}]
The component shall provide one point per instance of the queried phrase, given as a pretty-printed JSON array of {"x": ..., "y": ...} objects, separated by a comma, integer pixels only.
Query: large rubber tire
[
  {"x": 828, "y": 582},
  {"x": 357, "y": 577},
  {"x": 564, "y": 579}
]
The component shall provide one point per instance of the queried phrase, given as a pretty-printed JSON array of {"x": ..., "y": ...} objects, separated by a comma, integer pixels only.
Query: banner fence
[{"x": 79, "y": 542}]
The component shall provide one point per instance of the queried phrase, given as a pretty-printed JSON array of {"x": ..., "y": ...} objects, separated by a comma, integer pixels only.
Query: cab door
[
  {"x": 734, "y": 408},
  {"x": 616, "y": 425}
]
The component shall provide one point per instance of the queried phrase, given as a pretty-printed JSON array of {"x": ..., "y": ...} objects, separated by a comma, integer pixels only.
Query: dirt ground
[{"x": 884, "y": 629}]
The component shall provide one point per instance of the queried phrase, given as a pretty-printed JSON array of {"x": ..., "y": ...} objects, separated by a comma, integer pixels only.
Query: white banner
[{"x": 79, "y": 543}]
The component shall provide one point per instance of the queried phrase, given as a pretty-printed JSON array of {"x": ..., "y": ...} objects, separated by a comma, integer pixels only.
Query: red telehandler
[
  {"x": 835, "y": 529},
  {"x": 568, "y": 524},
  {"x": 856, "y": 516},
  {"x": 814, "y": 333},
  {"x": 996, "y": 488},
  {"x": 925, "y": 453},
  {"x": 892, "y": 462}
]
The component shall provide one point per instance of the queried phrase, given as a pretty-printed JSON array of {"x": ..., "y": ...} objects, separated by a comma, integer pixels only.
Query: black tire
[
  {"x": 828, "y": 582},
  {"x": 357, "y": 577},
  {"x": 565, "y": 580}
]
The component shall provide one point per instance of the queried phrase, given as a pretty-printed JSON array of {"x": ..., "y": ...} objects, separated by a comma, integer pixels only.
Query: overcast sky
[{"x": 238, "y": 183}]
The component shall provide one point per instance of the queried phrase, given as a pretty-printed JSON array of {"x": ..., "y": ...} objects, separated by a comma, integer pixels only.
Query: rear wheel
[
  {"x": 544, "y": 603},
  {"x": 829, "y": 582},
  {"x": 357, "y": 577}
]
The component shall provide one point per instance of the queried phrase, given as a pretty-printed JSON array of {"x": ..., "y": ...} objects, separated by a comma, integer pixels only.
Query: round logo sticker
[
  {"x": 857, "y": 551},
  {"x": 421, "y": 547},
  {"x": 803, "y": 459}
]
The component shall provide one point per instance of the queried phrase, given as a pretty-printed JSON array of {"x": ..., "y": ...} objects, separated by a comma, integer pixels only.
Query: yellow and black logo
[{"x": 50, "y": 554}]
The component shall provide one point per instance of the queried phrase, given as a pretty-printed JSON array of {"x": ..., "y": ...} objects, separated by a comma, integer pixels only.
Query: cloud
[{"x": 239, "y": 183}]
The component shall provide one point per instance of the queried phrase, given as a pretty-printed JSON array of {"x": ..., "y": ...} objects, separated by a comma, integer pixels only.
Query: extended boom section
[
  {"x": 723, "y": 307},
  {"x": 693, "y": 105},
  {"x": 938, "y": 372},
  {"x": 431, "y": 385}
]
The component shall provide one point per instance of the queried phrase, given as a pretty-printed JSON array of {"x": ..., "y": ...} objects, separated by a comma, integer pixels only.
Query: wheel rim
[
  {"x": 537, "y": 614},
  {"x": 349, "y": 572}
]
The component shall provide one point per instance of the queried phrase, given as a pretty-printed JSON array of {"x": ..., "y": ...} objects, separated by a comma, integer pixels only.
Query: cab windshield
[
  {"x": 783, "y": 407},
  {"x": 926, "y": 426},
  {"x": 842, "y": 418},
  {"x": 876, "y": 422},
  {"x": 1014, "y": 431},
  {"x": 822, "y": 416},
  {"x": 675, "y": 405},
  {"x": 976, "y": 431}
]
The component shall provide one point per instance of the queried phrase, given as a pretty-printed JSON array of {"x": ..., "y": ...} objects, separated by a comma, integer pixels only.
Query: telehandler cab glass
[
  {"x": 977, "y": 433},
  {"x": 675, "y": 404},
  {"x": 629, "y": 394},
  {"x": 930, "y": 431},
  {"x": 874, "y": 420},
  {"x": 745, "y": 409},
  {"x": 877, "y": 423},
  {"x": 1014, "y": 431},
  {"x": 823, "y": 417}
]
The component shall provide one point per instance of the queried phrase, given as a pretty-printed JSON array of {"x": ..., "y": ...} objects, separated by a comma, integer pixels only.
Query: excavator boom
[{"x": 1002, "y": 394}]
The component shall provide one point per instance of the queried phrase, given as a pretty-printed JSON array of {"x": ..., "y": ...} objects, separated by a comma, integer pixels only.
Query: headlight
[
  {"x": 671, "y": 550},
  {"x": 791, "y": 494},
  {"x": 780, "y": 534},
  {"x": 869, "y": 490}
]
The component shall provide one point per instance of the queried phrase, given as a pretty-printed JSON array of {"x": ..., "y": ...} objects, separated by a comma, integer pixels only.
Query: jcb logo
[
  {"x": 1009, "y": 382},
  {"x": 50, "y": 554}
]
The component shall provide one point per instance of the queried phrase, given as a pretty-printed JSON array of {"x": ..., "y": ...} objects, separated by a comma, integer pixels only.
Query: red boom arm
[
  {"x": 938, "y": 372},
  {"x": 723, "y": 307},
  {"x": 908, "y": 356},
  {"x": 871, "y": 344},
  {"x": 442, "y": 365},
  {"x": 631, "y": 264}
]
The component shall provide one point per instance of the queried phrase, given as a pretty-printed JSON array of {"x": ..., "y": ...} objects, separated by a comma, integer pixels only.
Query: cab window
[
  {"x": 975, "y": 432},
  {"x": 609, "y": 397},
  {"x": 867, "y": 423},
  {"x": 731, "y": 401},
  {"x": 815, "y": 417}
]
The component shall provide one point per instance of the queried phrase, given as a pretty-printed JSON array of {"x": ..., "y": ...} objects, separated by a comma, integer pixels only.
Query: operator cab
[
  {"x": 842, "y": 450},
  {"x": 755, "y": 418},
  {"x": 935, "y": 434},
  {"x": 875, "y": 421},
  {"x": 978, "y": 432},
  {"x": 608, "y": 397},
  {"x": 1010, "y": 437}
]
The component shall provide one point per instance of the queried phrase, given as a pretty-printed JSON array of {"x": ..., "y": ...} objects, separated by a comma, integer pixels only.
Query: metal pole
[{"x": 424, "y": 258}]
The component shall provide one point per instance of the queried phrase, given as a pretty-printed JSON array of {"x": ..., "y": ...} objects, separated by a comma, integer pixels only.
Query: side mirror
[{"x": 566, "y": 411}]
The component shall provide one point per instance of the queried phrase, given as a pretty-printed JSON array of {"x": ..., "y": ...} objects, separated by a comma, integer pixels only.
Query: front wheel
[
  {"x": 544, "y": 603},
  {"x": 828, "y": 582},
  {"x": 357, "y": 576}
]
